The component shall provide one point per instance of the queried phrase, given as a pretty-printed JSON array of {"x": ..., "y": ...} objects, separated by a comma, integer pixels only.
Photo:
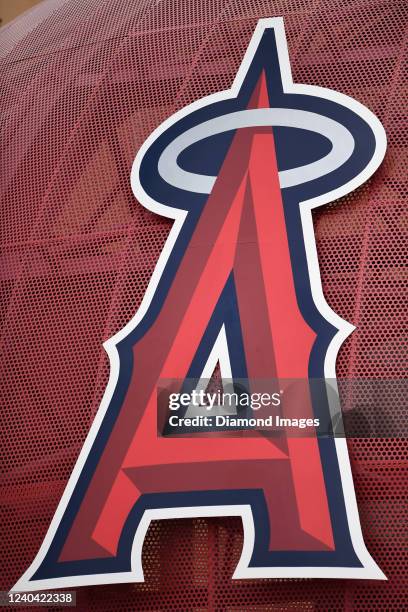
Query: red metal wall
[{"x": 84, "y": 83}]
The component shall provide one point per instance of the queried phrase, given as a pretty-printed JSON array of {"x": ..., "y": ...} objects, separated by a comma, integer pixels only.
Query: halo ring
[{"x": 340, "y": 137}]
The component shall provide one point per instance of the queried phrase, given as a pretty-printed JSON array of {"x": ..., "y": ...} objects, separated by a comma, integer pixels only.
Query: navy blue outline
[
  {"x": 266, "y": 59},
  {"x": 225, "y": 313}
]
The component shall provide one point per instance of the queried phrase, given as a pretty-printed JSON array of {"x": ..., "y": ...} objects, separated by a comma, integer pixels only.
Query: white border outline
[{"x": 369, "y": 569}]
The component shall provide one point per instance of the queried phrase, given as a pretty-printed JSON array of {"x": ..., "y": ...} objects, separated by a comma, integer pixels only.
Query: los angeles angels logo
[{"x": 239, "y": 172}]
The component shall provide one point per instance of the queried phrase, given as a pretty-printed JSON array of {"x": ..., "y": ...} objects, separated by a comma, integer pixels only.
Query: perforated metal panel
[{"x": 84, "y": 83}]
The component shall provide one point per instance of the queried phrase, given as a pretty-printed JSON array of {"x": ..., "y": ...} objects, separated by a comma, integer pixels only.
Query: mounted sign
[{"x": 237, "y": 283}]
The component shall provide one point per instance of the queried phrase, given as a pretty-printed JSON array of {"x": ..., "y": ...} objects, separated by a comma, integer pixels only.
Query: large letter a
[{"x": 239, "y": 172}]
